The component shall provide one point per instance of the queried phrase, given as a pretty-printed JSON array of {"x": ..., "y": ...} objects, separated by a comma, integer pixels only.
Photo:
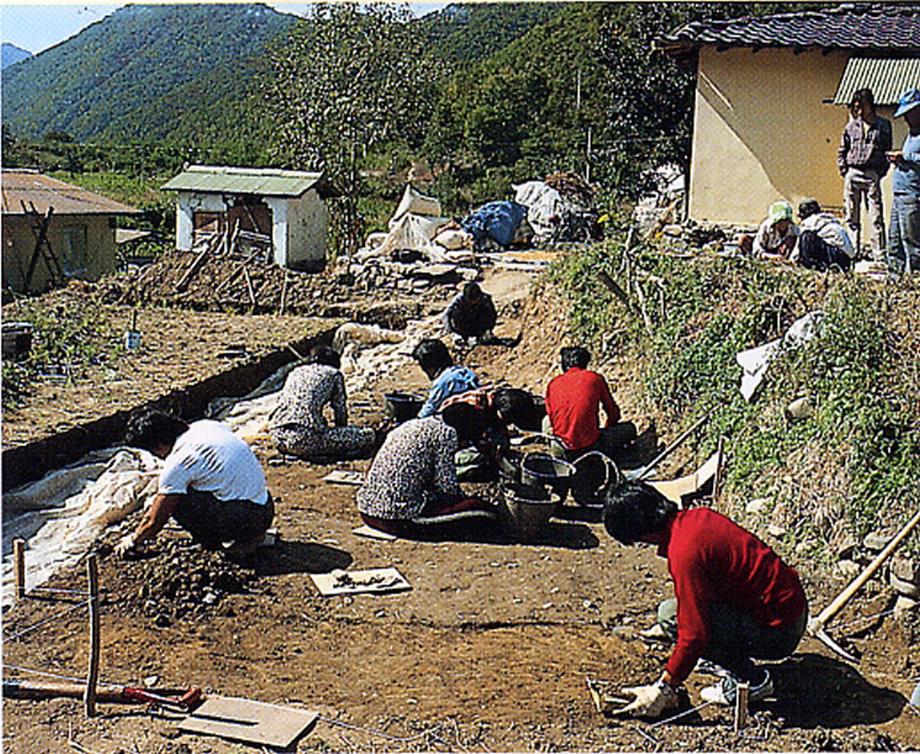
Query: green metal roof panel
[
  {"x": 225, "y": 180},
  {"x": 888, "y": 78}
]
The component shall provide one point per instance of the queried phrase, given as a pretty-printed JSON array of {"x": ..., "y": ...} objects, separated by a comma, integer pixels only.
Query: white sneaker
[{"x": 725, "y": 692}]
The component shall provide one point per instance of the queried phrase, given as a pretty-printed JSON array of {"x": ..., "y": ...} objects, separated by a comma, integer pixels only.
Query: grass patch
[{"x": 855, "y": 463}]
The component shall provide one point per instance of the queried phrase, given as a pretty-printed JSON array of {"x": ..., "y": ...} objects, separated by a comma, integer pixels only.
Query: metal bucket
[
  {"x": 402, "y": 406},
  {"x": 526, "y": 510},
  {"x": 594, "y": 472},
  {"x": 542, "y": 469}
]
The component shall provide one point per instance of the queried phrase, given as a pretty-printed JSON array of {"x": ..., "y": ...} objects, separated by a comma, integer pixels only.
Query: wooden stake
[
  {"x": 19, "y": 567},
  {"x": 720, "y": 462},
  {"x": 284, "y": 287},
  {"x": 741, "y": 705},
  {"x": 249, "y": 289},
  {"x": 92, "y": 673}
]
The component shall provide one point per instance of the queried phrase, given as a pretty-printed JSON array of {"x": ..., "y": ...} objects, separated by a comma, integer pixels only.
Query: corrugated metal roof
[
  {"x": 209, "y": 179},
  {"x": 850, "y": 26},
  {"x": 888, "y": 78},
  {"x": 42, "y": 192}
]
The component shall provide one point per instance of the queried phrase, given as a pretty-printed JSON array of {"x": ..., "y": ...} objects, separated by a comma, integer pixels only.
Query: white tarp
[
  {"x": 417, "y": 204},
  {"x": 755, "y": 361},
  {"x": 61, "y": 521},
  {"x": 544, "y": 205}
]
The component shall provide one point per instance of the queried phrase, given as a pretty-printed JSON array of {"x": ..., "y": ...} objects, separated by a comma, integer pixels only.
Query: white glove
[
  {"x": 649, "y": 701},
  {"x": 126, "y": 546}
]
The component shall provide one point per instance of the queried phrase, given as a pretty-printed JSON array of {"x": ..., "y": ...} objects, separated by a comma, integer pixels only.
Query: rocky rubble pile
[{"x": 177, "y": 578}]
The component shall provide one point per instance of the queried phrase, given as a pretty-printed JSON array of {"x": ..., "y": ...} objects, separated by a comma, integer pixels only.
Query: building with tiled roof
[
  {"x": 53, "y": 231},
  {"x": 771, "y": 96}
]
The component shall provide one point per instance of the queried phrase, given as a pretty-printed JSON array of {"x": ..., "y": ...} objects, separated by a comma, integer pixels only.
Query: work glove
[
  {"x": 125, "y": 548},
  {"x": 649, "y": 701}
]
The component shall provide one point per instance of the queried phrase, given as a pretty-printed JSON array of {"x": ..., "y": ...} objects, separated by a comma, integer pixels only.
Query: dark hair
[
  {"x": 863, "y": 96},
  {"x": 151, "y": 429},
  {"x": 432, "y": 356},
  {"x": 469, "y": 423},
  {"x": 515, "y": 406},
  {"x": 808, "y": 207},
  {"x": 574, "y": 356},
  {"x": 326, "y": 355},
  {"x": 472, "y": 291},
  {"x": 634, "y": 510}
]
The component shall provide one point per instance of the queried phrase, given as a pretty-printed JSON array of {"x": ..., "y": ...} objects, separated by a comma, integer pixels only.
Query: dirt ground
[{"x": 487, "y": 652}]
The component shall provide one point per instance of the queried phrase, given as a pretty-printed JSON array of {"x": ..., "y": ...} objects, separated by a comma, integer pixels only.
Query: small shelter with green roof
[{"x": 281, "y": 212}]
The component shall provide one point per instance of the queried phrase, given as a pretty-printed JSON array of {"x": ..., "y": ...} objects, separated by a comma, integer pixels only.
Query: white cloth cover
[{"x": 543, "y": 204}]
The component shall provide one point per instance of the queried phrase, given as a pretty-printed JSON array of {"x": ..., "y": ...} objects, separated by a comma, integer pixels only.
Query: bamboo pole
[
  {"x": 19, "y": 567},
  {"x": 92, "y": 673},
  {"x": 720, "y": 463}
]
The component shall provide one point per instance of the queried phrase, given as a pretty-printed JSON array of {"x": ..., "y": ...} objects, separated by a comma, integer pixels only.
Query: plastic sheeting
[
  {"x": 62, "y": 514},
  {"x": 545, "y": 207},
  {"x": 498, "y": 221},
  {"x": 755, "y": 361}
]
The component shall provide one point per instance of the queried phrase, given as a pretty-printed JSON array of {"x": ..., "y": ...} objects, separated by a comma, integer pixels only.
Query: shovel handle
[{"x": 841, "y": 599}]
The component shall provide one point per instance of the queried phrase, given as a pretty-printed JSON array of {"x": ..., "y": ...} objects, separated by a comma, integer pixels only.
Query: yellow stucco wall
[
  {"x": 762, "y": 132},
  {"x": 65, "y": 234}
]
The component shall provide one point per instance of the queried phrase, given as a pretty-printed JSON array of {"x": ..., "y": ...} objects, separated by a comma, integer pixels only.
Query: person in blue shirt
[
  {"x": 447, "y": 378},
  {"x": 904, "y": 233}
]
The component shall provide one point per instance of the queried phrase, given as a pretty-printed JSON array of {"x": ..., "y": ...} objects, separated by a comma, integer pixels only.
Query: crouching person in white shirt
[
  {"x": 211, "y": 484},
  {"x": 823, "y": 243}
]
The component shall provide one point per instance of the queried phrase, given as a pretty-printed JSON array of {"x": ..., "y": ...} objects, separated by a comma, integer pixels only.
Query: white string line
[
  {"x": 45, "y": 673},
  {"x": 681, "y": 714},
  {"x": 44, "y": 622},
  {"x": 84, "y": 592},
  {"x": 380, "y": 733}
]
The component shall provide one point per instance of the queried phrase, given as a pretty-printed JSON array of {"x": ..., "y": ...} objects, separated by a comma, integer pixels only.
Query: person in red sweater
[
  {"x": 736, "y": 600},
  {"x": 573, "y": 400}
]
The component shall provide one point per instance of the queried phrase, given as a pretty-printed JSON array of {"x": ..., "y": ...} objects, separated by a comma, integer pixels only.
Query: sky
[{"x": 35, "y": 27}]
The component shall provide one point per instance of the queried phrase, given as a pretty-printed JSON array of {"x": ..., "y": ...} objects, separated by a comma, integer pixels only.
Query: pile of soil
[
  {"x": 174, "y": 578},
  {"x": 224, "y": 283}
]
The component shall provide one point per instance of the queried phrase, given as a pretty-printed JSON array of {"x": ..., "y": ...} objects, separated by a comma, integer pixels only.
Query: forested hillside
[{"x": 139, "y": 72}]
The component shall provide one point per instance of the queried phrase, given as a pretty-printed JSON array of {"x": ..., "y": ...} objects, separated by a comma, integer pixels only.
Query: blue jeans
[
  {"x": 735, "y": 637},
  {"x": 904, "y": 234}
]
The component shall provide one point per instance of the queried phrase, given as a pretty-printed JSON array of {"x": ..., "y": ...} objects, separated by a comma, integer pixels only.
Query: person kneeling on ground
[
  {"x": 447, "y": 378},
  {"x": 471, "y": 314},
  {"x": 823, "y": 243},
  {"x": 736, "y": 600},
  {"x": 573, "y": 400},
  {"x": 776, "y": 235},
  {"x": 211, "y": 484},
  {"x": 412, "y": 488},
  {"x": 498, "y": 409},
  {"x": 297, "y": 425}
]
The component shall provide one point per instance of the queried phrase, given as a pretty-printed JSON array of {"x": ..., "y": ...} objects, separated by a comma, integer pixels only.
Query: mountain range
[
  {"x": 150, "y": 72},
  {"x": 13, "y": 54}
]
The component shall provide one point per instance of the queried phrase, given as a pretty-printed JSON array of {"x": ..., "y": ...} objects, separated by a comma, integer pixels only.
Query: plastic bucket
[
  {"x": 402, "y": 406},
  {"x": 132, "y": 340},
  {"x": 594, "y": 472},
  {"x": 542, "y": 469},
  {"x": 526, "y": 510}
]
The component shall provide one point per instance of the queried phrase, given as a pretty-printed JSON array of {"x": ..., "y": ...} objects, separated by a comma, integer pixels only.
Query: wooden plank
[
  {"x": 370, "y": 581},
  {"x": 248, "y": 721},
  {"x": 741, "y": 705}
]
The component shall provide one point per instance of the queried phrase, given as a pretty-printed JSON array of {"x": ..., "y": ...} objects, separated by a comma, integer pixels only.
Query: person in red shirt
[
  {"x": 573, "y": 400},
  {"x": 736, "y": 600}
]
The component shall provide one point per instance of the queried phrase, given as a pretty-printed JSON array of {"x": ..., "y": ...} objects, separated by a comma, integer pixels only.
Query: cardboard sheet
[
  {"x": 345, "y": 476},
  {"x": 371, "y": 581},
  {"x": 245, "y": 720}
]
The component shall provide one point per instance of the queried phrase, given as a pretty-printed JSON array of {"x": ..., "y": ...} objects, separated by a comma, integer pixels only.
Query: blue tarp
[{"x": 496, "y": 220}]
